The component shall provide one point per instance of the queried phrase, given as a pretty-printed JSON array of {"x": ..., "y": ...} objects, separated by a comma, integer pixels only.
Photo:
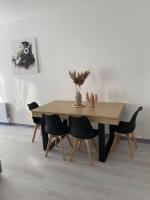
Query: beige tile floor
[{"x": 28, "y": 175}]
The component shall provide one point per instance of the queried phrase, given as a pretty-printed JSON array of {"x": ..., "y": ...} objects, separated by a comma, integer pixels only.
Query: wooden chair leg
[
  {"x": 134, "y": 140},
  {"x": 130, "y": 145},
  {"x": 74, "y": 150},
  {"x": 114, "y": 145},
  {"x": 89, "y": 151},
  {"x": 62, "y": 147},
  {"x": 80, "y": 144},
  {"x": 40, "y": 129},
  {"x": 48, "y": 145},
  {"x": 33, "y": 138},
  {"x": 69, "y": 140},
  {"x": 56, "y": 141},
  {"x": 95, "y": 145}
]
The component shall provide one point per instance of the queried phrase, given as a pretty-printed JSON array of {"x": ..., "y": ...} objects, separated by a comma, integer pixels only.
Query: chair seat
[
  {"x": 81, "y": 129},
  {"x": 126, "y": 128},
  {"x": 123, "y": 127},
  {"x": 64, "y": 131},
  {"x": 57, "y": 129},
  {"x": 54, "y": 125},
  {"x": 37, "y": 120},
  {"x": 93, "y": 133}
]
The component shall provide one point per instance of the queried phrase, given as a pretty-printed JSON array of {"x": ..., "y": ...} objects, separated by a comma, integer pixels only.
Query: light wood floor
[{"x": 28, "y": 175}]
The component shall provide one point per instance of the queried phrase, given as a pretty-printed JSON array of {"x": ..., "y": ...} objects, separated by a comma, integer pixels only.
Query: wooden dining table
[{"x": 104, "y": 113}]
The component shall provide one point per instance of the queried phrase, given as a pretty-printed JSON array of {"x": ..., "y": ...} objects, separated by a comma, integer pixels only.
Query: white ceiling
[{"x": 15, "y": 9}]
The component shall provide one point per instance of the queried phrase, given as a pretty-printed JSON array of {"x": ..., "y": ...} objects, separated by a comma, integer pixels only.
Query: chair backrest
[
  {"x": 32, "y": 106},
  {"x": 80, "y": 127},
  {"x": 54, "y": 125},
  {"x": 133, "y": 119}
]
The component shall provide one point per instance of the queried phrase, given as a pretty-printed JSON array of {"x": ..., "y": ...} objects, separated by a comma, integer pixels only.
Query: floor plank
[{"x": 28, "y": 175}]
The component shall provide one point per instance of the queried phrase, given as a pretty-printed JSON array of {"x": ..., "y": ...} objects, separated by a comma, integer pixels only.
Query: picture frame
[{"x": 24, "y": 56}]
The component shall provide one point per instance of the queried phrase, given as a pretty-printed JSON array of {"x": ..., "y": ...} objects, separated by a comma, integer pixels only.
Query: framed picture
[{"x": 24, "y": 56}]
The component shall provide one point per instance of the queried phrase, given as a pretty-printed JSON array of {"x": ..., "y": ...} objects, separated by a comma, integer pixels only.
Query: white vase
[{"x": 78, "y": 96}]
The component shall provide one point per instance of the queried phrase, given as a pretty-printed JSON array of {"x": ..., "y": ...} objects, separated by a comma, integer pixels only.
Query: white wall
[{"x": 111, "y": 38}]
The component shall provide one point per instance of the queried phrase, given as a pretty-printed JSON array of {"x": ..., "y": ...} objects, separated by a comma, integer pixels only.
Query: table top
[{"x": 104, "y": 112}]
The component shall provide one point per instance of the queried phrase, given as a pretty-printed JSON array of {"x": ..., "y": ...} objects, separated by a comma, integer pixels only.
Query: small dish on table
[{"x": 79, "y": 106}]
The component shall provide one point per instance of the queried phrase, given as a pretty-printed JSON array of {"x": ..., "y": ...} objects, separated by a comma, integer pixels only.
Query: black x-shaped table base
[{"x": 104, "y": 148}]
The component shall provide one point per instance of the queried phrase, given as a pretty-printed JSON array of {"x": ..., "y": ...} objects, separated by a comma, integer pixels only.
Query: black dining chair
[
  {"x": 36, "y": 120},
  {"x": 81, "y": 129},
  {"x": 125, "y": 128},
  {"x": 57, "y": 129}
]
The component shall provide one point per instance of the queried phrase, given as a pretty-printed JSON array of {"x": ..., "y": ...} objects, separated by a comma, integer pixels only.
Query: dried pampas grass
[{"x": 78, "y": 78}]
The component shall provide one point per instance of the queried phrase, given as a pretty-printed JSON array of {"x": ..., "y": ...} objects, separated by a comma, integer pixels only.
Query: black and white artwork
[{"x": 24, "y": 57}]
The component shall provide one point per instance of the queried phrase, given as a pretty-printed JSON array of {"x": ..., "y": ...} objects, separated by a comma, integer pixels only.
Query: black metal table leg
[
  {"x": 0, "y": 167},
  {"x": 110, "y": 141},
  {"x": 104, "y": 149},
  {"x": 44, "y": 134}
]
